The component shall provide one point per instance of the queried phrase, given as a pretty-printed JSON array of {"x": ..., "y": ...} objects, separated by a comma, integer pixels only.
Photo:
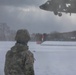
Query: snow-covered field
[{"x": 51, "y": 58}]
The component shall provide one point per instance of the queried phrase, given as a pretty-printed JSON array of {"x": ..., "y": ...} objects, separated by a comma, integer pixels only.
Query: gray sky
[{"x": 25, "y": 14}]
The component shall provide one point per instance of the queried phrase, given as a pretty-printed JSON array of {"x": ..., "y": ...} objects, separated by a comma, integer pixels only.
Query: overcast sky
[{"x": 25, "y": 14}]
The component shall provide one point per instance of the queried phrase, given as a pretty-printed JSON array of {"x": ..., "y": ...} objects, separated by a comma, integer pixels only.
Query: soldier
[{"x": 19, "y": 60}]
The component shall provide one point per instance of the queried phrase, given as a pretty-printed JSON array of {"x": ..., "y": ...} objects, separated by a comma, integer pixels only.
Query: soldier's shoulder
[
  {"x": 8, "y": 53},
  {"x": 29, "y": 53}
]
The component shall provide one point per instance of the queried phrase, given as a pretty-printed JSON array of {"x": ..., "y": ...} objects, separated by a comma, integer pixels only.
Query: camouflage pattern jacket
[{"x": 19, "y": 61}]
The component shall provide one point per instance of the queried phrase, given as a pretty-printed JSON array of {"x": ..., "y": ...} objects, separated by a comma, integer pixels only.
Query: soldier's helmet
[{"x": 22, "y": 36}]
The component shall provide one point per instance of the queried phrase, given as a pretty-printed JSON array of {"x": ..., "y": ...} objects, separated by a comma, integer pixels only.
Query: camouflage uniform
[{"x": 19, "y": 60}]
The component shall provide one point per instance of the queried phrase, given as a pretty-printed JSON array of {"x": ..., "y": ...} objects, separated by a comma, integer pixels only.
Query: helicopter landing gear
[
  {"x": 59, "y": 14},
  {"x": 55, "y": 13}
]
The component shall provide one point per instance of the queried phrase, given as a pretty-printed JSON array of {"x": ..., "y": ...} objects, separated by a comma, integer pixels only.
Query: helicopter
[{"x": 59, "y": 6}]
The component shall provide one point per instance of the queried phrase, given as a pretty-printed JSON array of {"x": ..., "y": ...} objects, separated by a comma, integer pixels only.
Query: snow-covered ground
[
  {"x": 52, "y": 58},
  {"x": 58, "y": 43}
]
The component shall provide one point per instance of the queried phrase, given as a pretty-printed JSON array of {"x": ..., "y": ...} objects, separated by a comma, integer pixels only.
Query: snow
[
  {"x": 59, "y": 43},
  {"x": 56, "y": 59}
]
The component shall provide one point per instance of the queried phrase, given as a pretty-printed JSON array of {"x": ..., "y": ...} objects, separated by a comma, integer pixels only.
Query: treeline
[
  {"x": 6, "y": 34},
  {"x": 54, "y": 36}
]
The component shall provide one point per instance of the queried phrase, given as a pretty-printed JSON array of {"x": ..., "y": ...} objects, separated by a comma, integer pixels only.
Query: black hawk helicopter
[{"x": 59, "y": 6}]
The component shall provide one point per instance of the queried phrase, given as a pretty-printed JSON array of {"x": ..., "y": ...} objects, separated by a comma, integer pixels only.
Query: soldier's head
[{"x": 22, "y": 36}]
